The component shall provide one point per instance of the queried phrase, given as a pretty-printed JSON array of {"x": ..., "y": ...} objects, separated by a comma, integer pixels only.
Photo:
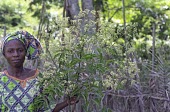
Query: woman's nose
[{"x": 16, "y": 53}]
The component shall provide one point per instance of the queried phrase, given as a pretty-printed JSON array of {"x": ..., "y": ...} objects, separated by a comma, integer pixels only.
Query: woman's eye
[
  {"x": 21, "y": 50},
  {"x": 10, "y": 51}
]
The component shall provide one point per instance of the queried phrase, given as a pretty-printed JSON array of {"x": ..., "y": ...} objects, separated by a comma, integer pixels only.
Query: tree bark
[
  {"x": 87, "y": 5},
  {"x": 72, "y": 8}
]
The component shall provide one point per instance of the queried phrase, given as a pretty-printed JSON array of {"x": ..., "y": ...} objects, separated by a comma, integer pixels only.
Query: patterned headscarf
[{"x": 32, "y": 45}]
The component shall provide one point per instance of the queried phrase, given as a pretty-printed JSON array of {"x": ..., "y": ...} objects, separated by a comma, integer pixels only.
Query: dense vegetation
[{"x": 114, "y": 55}]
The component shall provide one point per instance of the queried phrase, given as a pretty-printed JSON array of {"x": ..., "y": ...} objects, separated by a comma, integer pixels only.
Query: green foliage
[
  {"x": 152, "y": 12},
  {"x": 8, "y": 10},
  {"x": 85, "y": 65},
  {"x": 14, "y": 16},
  {"x": 37, "y": 7}
]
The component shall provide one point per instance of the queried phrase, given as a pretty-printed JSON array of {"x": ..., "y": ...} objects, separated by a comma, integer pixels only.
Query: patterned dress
[{"x": 17, "y": 95}]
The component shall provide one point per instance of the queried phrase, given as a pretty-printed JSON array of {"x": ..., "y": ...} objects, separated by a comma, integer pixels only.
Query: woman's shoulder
[
  {"x": 3, "y": 77},
  {"x": 2, "y": 73},
  {"x": 30, "y": 70},
  {"x": 32, "y": 73}
]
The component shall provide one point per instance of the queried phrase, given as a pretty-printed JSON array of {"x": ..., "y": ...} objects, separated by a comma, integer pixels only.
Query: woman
[{"x": 18, "y": 85}]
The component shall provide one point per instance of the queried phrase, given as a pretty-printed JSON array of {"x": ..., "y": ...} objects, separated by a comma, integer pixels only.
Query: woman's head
[
  {"x": 31, "y": 44},
  {"x": 15, "y": 52}
]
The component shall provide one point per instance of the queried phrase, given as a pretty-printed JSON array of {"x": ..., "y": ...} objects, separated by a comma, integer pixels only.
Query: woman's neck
[
  {"x": 16, "y": 71},
  {"x": 21, "y": 72}
]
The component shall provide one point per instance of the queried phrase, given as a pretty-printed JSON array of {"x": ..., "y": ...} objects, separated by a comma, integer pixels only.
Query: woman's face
[{"x": 15, "y": 52}]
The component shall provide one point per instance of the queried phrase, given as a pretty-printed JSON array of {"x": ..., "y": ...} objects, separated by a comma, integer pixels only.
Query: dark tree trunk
[
  {"x": 87, "y": 5},
  {"x": 72, "y": 8}
]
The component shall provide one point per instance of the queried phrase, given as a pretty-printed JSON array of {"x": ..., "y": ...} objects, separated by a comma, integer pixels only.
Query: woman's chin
[{"x": 17, "y": 65}]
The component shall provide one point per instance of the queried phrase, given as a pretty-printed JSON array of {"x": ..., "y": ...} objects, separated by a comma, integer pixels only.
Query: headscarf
[{"x": 32, "y": 45}]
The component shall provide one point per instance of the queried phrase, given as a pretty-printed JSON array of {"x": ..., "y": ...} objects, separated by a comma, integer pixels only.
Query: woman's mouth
[{"x": 16, "y": 61}]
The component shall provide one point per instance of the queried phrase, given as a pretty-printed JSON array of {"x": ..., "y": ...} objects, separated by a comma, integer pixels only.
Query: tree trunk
[
  {"x": 153, "y": 79},
  {"x": 72, "y": 8},
  {"x": 4, "y": 30},
  {"x": 87, "y": 5}
]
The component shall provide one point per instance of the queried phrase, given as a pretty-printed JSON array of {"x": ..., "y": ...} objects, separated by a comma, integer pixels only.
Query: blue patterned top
[{"x": 17, "y": 95}]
